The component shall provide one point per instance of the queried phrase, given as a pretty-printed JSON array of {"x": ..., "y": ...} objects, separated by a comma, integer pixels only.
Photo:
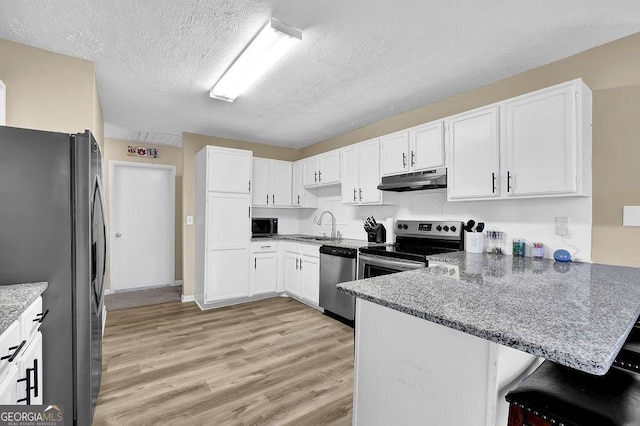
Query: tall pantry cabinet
[{"x": 223, "y": 224}]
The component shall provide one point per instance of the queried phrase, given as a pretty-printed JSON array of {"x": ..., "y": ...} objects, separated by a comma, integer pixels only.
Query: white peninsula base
[{"x": 410, "y": 371}]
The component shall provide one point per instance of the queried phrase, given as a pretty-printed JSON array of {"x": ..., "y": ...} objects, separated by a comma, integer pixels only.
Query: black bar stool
[{"x": 557, "y": 395}]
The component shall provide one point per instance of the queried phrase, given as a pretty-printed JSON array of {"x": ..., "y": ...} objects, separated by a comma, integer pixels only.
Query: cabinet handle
[
  {"x": 301, "y": 264},
  {"x": 35, "y": 377},
  {"x": 267, "y": 199},
  {"x": 360, "y": 194},
  {"x": 265, "y": 246},
  {"x": 28, "y": 386},
  {"x": 249, "y": 212},
  {"x": 249, "y": 186},
  {"x": 298, "y": 199},
  {"x": 41, "y": 316},
  {"x": 493, "y": 183},
  {"x": 319, "y": 176},
  {"x": 315, "y": 176},
  {"x": 297, "y": 260},
  {"x": 255, "y": 263},
  {"x": 273, "y": 198},
  {"x": 413, "y": 156},
  {"x": 404, "y": 160},
  {"x": 508, "y": 181},
  {"x": 15, "y": 354},
  {"x": 354, "y": 194}
]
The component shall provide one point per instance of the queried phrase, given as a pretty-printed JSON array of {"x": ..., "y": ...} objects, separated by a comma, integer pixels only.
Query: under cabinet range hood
[{"x": 416, "y": 181}]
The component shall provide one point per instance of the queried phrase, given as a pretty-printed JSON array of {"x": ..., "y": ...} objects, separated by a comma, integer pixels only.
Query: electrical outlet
[{"x": 562, "y": 225}]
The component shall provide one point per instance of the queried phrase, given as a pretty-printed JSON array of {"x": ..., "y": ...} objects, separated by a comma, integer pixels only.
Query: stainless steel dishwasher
[{"x": 337, "y": 265}]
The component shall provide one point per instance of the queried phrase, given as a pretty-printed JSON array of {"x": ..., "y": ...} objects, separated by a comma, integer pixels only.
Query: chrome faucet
[{"x": 333, "y": 223}]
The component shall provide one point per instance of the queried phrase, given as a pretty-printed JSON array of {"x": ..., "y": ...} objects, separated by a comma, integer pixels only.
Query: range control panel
[{"x": 429, "y": 229}]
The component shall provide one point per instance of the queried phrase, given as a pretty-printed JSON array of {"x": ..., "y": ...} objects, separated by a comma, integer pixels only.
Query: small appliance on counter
[
  {"x": 264, "y": 226},
  {"x": 376, "y": 232}
]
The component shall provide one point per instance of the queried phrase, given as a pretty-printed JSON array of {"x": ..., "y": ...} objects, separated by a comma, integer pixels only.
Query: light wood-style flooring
[{"x": 271, "y": 362}]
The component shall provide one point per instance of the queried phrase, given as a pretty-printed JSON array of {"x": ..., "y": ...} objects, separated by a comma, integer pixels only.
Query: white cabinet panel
[
  {"x": 229, "y": 170},
  {"x": 265, "y": 273},
  {"x": 329, "y": 172},
  {"x": 280, "y": 180},
  {"x": 260, "y": 191},
  {"x": 227, "y": 275},
  {"x": 393, "y": 153},
  {"x": 427, "y": 146},
  {"x": 310, "y": 171},
  {"x": 228, "y": 220},
  {"x": 8, "y": 386},
  {"x": 3, "y": 104},
  {"x": 301, "y": 196},
  {"x": 30, "y": 373},
  {"x": 310, "y": 278},
  {"x": 350, "y": 184},
  {"x": 10, "y": 340},
  {"x": 541, "y": 142},
  {"x": 292, "y": 272},
  {"x": 369, "y": 172},
  {"x": 473, "y": 167}
]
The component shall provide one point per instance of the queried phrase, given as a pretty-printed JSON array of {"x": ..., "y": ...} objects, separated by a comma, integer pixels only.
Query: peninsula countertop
[
  {"x": 576, "y": 314},
  {"x": 319, "y": 241},
  {"x": 15, "y": 298}
]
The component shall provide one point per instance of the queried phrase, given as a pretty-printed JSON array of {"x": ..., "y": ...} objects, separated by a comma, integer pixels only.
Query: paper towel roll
[{"x": 391, "y": 230}]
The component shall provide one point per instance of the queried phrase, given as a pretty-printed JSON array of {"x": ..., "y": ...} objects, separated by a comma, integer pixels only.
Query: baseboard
[
  {"x": 176, "y": 283},
  {"x": 187, "y": 298},
  {"x": 108, "y": 291}
]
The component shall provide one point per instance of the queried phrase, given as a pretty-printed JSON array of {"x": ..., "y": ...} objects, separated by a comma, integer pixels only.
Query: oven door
[{"x": 373, "y": 266}]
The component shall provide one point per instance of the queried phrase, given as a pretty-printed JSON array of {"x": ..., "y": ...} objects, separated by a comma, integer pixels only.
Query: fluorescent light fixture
[{"x": 273, "y": 41}]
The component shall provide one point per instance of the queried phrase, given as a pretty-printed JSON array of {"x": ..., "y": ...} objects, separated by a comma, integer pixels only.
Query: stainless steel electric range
[{"x": 415, "y": 240}]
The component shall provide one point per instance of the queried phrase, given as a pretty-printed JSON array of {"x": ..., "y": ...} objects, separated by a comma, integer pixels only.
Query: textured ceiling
[{"x": 360, "y": 60}]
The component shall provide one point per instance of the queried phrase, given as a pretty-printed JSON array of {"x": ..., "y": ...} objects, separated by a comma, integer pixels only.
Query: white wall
[{"x": 531, "y": 219}]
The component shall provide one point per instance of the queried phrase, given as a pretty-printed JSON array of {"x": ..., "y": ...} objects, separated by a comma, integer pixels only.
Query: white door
[
  {"x": 310, "y": 278},
  {"x": 393, "y": 153},
  {"x": 229, "y": 170},
  {"x": 329, "y": 168},
  {"x": 260, "y": 190},
  {"x": 310, "y": 171},
  {"x": 8, "y": 386},
  {"x": 474, "y": 158},
  {"x": 142, "y": 231},
  {"x": 298, "y": 194},
  {"x": 369, "y": 172},
  {"x": 3, "y": 104},
  {"x": 427, "y": 146},
  {"x": 264, "y": 273},
  {"x": 541, "y": 143},
  {"x": 350, "y": 175},
  {"x": 292, "y": 272},
  {"x": 280, "y": 183}
]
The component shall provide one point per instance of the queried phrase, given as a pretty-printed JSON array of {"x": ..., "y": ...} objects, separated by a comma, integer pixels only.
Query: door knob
[{"x": 118, "y": 235}]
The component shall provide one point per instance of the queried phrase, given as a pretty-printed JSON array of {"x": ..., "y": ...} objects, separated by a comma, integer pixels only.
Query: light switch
[
  {"x": 631, "y": 216},
  {"x": 189, "y": 220}
]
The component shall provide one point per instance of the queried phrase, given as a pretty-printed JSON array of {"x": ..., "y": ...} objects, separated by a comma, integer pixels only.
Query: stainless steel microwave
[{"x": 264, "y": 226}]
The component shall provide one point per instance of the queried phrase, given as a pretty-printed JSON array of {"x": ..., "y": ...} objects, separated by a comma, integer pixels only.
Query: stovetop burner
[{"x": 417, "y": 239}]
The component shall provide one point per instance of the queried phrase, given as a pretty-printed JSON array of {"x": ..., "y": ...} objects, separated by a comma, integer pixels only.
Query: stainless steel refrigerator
[{"x": 52, "y": 228}]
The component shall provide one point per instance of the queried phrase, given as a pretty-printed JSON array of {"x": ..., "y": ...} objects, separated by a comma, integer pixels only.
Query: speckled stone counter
[
  {"x": 319, "y": 241},
  {"x": 15, "y": 298},
  {"x": 576, "y": 314}
]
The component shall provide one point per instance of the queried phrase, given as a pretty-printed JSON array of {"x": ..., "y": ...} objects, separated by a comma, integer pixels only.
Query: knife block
[{"x": 378, "y": 234}]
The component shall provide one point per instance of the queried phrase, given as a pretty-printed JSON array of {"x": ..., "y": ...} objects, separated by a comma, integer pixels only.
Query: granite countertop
[
  {"x": 319, "y": 241},
  {"x": 15, "y": 298},
  {"x": 576, "y": 314}
]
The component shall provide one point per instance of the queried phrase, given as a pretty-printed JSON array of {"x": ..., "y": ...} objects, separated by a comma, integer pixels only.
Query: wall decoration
[{"x": 141, "y": 151}]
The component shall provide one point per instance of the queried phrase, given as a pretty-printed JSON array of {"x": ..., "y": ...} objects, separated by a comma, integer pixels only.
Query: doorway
[{"x": 142, "y": 231}]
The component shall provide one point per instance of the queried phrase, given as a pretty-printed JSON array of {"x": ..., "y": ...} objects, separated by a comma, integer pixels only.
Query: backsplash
[{"x": 530, "y": 219}]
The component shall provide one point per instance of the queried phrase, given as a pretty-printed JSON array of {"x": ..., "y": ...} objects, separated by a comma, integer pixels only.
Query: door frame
[{"x": 113, "y": 164}]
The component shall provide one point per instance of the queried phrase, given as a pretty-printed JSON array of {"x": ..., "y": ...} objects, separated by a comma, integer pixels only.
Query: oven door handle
[{"x": 388, "y": 262}]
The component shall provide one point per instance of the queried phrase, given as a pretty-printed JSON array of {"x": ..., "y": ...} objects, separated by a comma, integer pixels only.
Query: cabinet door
[
  {"x": 350, "y": 188},
  {"x": 228, "y": 221},
  {"x": 540, "y": 138},
  {"x": 9, "y": 386},
  {"x": 310, "y": 171},
  {"x": 3, "y": 104},
  {"x": 369, "y": 172},
  {"x": 229, "y": 170},
  {"x": 310, "y": 278},
  {"x": 260, "y": 193},
  {"x": 296, "y": 183},
  {"x": 292, "y": 273},
  {"x": 264, "y": 273},
  {"x": 427, "y": 146},
  {"x": 281, "y": 183},
  {"x": 227, "y": 274},
  {"x": 329, "y": 168},
  {"x": 393, "y": 153},
  {"x": 30, "y": 373},
  {"x": 474, "y": 159}
]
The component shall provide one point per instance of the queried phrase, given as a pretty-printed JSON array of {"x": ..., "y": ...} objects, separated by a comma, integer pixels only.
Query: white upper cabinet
[
  {"x": 272, "y": 183},
  {"x": 541, "y": 133},
  {"x": 361, "y": 173},
  {"x": 543, "y": 149},
  {"x": 394, "y": 153},
  {"x": 3, "y": 104},
  {"x": 474, "y": 154},
  {"x": 321, "y": 170},
  {"x": 301, "y": 196},
  {"x": 228, "y": 170},
  {"x": 411, "y": 150}
]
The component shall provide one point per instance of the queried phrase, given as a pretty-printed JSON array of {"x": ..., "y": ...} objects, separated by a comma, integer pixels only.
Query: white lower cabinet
[
  {"x": 264, "y": 274},
  {"x": 302, "y": 271},
  {"x": 8, "y": 386},
  {"x": 30, "y": 373}
]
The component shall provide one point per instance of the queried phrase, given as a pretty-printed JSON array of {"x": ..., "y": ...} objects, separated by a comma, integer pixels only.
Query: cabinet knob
[{"x": 118, "y": 235}]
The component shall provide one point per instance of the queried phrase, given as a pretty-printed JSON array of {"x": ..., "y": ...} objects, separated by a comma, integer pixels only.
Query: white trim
[
  {"x": 112, "y": 167},
  {"x": 187, "y": 298},
  {"x": 176, "y": 283},
  {"x": 108, "y": 291}
]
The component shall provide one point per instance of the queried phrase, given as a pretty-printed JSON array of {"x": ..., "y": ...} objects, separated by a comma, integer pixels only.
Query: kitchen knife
[
  {"x": 469, "y": 227},
  {"x": 373, "y": 219},
  {"x": 480, "y": 227}
]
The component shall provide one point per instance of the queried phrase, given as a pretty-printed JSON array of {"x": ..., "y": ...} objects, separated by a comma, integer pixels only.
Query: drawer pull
[
  {"x": 15, "y": 354},
  {"x": 41, "y": 316}
]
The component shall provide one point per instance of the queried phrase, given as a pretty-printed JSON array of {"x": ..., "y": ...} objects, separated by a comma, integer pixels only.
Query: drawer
[
  {"x": 264, "y": 247},
  {"x": 310, "y": 250},
  {"x": 10, "y": 342},
  {"x": 31, "y": 319}
]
